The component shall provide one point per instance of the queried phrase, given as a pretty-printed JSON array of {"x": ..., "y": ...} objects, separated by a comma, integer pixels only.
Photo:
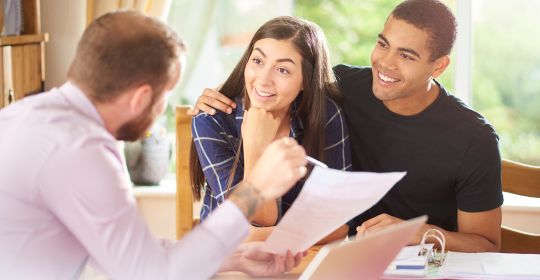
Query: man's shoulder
[
  {"x": 49, "y": 114},
  {"x": 353, "y": 80},
  {"x": 346, "y": 71},
  {"x": 74, "y": 131},
  {"x": 41, "y": 129},
  {"x": 465, "y": 115}
]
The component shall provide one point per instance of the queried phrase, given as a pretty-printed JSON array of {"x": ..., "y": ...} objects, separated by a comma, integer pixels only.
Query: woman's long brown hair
[{"x": 318, "y": 83}]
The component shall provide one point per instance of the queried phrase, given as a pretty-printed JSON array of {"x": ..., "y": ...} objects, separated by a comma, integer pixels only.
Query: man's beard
[{"x": 136, "y": 128}]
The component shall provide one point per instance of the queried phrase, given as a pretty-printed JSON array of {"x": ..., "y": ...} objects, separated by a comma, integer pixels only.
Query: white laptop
[{"x": 365, "y": 258}]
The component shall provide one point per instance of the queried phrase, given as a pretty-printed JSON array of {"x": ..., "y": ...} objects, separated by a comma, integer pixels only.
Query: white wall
[{"x": 65, "y": 21}]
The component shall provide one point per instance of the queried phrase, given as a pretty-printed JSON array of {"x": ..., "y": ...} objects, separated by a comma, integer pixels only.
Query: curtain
[
  {"x": 217, "y": 33},
  {"x": 193, "y": 21},
  {"x": 155, "y": 8}
]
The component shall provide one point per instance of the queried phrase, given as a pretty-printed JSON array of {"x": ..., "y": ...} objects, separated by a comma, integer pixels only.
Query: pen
[{"x": 316, "y": 162}]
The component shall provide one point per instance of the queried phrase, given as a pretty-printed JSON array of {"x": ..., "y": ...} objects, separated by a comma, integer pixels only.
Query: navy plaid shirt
[{"x": 217, "y": 138}]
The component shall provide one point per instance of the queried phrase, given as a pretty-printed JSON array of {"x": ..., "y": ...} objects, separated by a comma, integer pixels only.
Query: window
[
  {"x": 351, "y": 28},
  {"x": 506, "y": 73},
  {"x": 503, "y": 59}
]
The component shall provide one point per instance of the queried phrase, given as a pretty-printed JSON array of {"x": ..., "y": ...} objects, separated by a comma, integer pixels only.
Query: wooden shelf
[
  {"x": 23, "y": 39},
  {"x": 22, "y": 63}
]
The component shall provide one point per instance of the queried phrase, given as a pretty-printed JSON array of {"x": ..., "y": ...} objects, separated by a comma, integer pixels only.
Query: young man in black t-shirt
[{"x": 401, "y": 119}]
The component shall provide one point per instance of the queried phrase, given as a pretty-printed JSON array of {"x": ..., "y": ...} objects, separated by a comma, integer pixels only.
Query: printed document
[{"x": 328, "y": 200}]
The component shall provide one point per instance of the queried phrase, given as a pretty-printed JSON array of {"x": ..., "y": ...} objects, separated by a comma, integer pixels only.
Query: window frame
[{"x": 464, "y": 52}]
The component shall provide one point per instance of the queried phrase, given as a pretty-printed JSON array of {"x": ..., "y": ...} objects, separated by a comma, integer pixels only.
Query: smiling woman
[
  {"x": 282, "y": 86},
  {"x": 273, "y": 80}
]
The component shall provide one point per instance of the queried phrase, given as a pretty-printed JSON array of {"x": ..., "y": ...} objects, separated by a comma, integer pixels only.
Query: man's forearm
[
  {"x": 231, "y": 263},
  {"x": 247, "y": 198},
  {"x": 469, "y": 242},
  {"x": 258, "y": 233},
  {"x": 463, "y": 242},
  {"x": 267, "y": 213},
  {"x": 477, "y": 232}
]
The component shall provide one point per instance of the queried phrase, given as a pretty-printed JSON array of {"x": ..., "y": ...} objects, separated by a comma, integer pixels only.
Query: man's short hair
[
  {"x": 435, "y": 18},
  {"x": 122, "y": 50}
]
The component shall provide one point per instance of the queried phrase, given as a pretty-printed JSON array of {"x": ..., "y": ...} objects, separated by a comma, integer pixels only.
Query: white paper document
[
  {"x": 329, "y": 199},
  {"x": 491, "y": 266}
]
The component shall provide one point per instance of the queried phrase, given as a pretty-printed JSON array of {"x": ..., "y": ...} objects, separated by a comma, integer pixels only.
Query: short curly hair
[{"x": 435, "y": 18}]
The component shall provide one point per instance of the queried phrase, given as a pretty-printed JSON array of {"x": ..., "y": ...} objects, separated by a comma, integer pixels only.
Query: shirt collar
[{"x": 80, "y": 102}]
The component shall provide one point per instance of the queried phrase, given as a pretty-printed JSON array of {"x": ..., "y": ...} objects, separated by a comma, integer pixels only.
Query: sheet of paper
[
  {"x": 513, "y": 264},
  {"x": 491, "y": 265},
  {"x": 461, "y": 264},
  {"x": 329, "y": 199}
]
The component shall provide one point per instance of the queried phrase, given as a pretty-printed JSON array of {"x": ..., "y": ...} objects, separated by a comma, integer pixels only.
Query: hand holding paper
[{"x": 328, "y": 200}]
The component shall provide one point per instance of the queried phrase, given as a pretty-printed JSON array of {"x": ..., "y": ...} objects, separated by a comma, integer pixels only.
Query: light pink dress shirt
[{"x": 65, "y": 199}]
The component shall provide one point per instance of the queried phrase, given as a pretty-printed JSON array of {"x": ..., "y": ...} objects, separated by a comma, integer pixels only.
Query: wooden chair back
[
  {"x": 185, "y": 220},
  {"x": 521, "y": 179}
]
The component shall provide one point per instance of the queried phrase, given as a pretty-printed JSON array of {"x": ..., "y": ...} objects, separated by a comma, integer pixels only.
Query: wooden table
[{"x": 294, "y": 274}]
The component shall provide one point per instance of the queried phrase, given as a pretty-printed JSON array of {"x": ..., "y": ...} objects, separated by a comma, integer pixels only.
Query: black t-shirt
[{"x": 449, "y": 151}]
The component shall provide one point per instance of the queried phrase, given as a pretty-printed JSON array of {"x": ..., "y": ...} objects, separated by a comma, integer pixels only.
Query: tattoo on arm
[{"x": 247, "y": 198}]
